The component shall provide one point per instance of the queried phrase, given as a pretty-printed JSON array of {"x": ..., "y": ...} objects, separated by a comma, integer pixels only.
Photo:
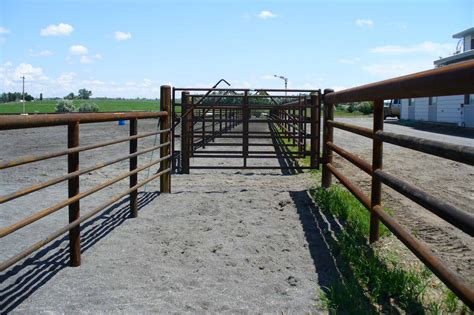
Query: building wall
[
  {"x": 404, "y": 109},
  {"x": 421, "y": 108},
  {"x": 448, "y": 110}
]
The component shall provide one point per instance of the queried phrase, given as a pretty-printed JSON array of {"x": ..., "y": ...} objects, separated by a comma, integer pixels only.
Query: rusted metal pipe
[
  {"x": 73, "y": 191},
  {"x": 460, "y": 219},
  {"x": 449, "y": 80},
  {"x": 31, "y": 189},
  {"x": 133, "y": 166},
  {"x": 328, "y": 134},
  {"x": 32, "y": 121},
  {"x": 354, "y": 159},
  {"x": 454, "y": 152},
  {"x": 377, "y": 161},
  {"x": 362, "y": 131},
  {"x": 35, "y": 158}
]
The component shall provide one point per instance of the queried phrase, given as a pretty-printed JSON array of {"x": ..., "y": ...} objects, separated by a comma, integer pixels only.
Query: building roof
[
  {"x": 464, "y": 33},
  {"x": 464, "y": 56}
]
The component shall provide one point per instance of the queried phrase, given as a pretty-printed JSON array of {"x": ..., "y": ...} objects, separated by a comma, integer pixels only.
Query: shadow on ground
[
  {"x": 321, "y": 231},
  {"x": 30, "y": 275}
]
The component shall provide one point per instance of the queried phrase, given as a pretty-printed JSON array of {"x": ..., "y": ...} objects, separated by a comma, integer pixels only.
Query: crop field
[{"x": 105, "y": 105}]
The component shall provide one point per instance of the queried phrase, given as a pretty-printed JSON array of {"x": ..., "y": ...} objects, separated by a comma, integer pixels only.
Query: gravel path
[{"x": 222, "y": 241}]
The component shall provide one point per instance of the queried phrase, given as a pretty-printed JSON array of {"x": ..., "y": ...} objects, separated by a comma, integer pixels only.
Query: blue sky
[{"x": 129, "y": 48}]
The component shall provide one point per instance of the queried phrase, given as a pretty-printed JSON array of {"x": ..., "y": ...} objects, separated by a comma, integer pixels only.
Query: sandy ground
[
  {"x": 450, "y": 181},
  {"x": 222, "y": 241}
]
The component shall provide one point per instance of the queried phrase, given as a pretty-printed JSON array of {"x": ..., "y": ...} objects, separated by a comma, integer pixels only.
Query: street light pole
[
  {"x": 23, "y": 94},
  {"x": 284, "y": 79}
]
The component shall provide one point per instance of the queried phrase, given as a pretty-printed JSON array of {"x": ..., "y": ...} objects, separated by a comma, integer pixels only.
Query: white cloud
[
  {"x": 29, "y": 71},
  {"x": 349, "y": 61},
  {"x": 4, "y": 30},
  {"x": 431, "y": 48},
  {"x": 41, "y": 53},
  {"x": 65, "y": 80},
  {"x": 61, "y": 29},
  {"x": 394, "y": 69},
  {"x": 78, "y": 50},
  {"x": 122, "y": 35},
  {"x": 268, "y": 77},
  {"x": 364, "y": 23},
  {"x": 90, "y": 59},
  {"x": 266, "y": 15}
]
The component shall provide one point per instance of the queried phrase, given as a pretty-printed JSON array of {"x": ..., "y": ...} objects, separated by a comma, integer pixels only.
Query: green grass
[
  {"x": 105, "y": 105},
  {"x": 372, "y": 283}
]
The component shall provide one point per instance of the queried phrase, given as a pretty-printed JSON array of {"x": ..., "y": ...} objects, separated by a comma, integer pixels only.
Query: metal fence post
[
  {"x": 245, "y": 128},
  {"x": 327, "y": 137},
  {"x": 73, "y": 190},
  {"x": 133, "y": 166},
  {"x": 165, "y": 105},
  {"x": 185, "y": 134},
  {"x": 377, "y": 160},
  {"x": 314, "y": 159}
]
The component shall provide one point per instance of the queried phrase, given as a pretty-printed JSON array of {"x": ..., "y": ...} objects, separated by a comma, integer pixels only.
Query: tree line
[{"x": 15, "y": 97}]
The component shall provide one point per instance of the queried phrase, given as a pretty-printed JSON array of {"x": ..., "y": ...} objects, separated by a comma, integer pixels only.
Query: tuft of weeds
[{"x": 371, "y": 282}]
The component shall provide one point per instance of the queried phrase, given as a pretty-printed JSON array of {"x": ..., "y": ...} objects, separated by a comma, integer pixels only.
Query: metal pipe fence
[
  {"x": 73, "y": 121},
  {"x": 449, "y": 80}
]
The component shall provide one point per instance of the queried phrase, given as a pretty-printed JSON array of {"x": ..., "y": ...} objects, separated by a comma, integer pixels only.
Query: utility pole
[
  {"x": 23, "y": 94},
  {"x": 284, "y": 79}
]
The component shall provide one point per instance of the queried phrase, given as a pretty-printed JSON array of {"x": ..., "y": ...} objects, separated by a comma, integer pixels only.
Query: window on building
[
  {"x": 433, "y": 100},
  {"x": 411, "y": 102},
  {"x": 469, "y": 99}
]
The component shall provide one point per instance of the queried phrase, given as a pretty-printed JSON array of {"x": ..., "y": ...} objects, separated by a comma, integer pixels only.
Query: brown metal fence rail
[
  {"x": 73, "y": 122},
  {"x": 450, "y": 80}
]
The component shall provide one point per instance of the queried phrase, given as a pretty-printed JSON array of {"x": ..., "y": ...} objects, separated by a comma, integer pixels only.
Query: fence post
[
  {"x": 314, "y": 159},
  {"x": 377, "y": 159},
  {"x": 185, "y": 121},
  {"x": 73, "y": 190},
  {"x": 245, "y": 128},
  {"x": 165, "y": 105},
  {"x": 133, "y": 166},
  {"x": 327, "y": 137}
]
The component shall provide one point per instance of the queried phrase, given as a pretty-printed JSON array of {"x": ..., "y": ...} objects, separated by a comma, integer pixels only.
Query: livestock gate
[{"x": 248, "y": 129}]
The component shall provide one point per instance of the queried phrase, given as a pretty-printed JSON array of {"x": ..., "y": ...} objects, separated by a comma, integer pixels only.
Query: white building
[{"x": 456, "y": 109}]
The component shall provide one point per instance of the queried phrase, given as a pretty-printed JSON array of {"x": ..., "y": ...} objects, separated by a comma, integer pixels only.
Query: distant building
[{"x": 456, "y": 109}]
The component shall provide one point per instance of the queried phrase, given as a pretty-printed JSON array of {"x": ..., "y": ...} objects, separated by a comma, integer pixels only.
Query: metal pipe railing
[
  {"x": 73, "y": 121},
  {"x": 449, "y": 80}
]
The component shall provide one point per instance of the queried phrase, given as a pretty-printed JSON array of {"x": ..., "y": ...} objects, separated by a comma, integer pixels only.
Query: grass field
[{"x": 109, "y": 105}]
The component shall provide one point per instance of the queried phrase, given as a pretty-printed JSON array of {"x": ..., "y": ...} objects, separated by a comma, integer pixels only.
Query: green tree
[
  {"x": 84, "y": 94},
  {"x": 70, "y": 96}
]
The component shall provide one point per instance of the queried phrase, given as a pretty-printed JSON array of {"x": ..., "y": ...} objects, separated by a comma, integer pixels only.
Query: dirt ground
[
  {"x": 222, "y": 241},
  {"x": 450, "y": 181}
]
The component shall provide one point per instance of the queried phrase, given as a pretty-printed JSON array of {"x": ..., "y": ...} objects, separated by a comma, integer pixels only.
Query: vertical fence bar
[
  {"x": 133, "y": 166},
  {"x": 73, "y": 190},
  {"x": 318, "y": 143},
  {"x": 245, "y": 128},
  {"x": 314, "y": 130},
  {"x": 213, "y": 124},
  {"x": 165, "y": 104},
  {"x": 203, "y": 129},
  {"x": 185, "y": 135},
  {"x": 327, "y": 137},
  {"x": 377, "y": 161}
]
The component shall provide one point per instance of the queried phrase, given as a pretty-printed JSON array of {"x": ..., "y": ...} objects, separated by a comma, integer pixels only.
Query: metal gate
[{"x": 248, "y": 129}]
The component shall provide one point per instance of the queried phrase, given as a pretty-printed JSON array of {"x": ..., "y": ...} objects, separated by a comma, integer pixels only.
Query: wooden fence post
[
  {"x": 73, "y": 190},
  {"x": 165, "y": 105},
  {"x": 133, "y": 166},
  {"x": 328, "y": 134},
  {"x": 377, "y": 160}
]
